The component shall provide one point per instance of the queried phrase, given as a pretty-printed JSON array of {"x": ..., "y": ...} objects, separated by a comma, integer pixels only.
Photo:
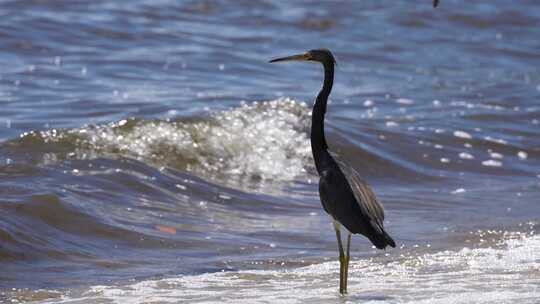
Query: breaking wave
[{"x": 260, "y": 141}]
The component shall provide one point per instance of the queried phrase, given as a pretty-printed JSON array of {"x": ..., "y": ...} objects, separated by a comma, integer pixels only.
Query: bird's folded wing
[{"x": 365, "y": 197}]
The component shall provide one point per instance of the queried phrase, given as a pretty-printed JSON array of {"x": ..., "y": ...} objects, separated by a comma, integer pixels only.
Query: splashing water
[
  {"x": 262, "y": 140},
  {"x": 407, "y": 278}
]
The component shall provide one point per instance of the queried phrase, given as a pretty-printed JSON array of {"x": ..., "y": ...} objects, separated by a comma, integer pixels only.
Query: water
[{"x": 149, "y": 153}]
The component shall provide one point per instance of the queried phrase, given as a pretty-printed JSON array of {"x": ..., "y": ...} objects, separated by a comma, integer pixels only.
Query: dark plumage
[
  {"x": 344, "y": 195},
  {"x": 358, "y": 210}
]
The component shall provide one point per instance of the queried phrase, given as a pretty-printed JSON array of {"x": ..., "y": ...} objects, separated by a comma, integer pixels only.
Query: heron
[{"x": 344, "y": 195}]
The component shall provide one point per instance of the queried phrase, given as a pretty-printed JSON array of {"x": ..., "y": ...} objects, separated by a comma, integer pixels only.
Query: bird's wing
[
  {"x": 365, "y": 197},
  {"x": 372, "y": 212}
]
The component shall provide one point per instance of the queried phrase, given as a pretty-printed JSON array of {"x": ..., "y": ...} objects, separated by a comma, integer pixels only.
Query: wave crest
[{"x": 260, "y": 140}]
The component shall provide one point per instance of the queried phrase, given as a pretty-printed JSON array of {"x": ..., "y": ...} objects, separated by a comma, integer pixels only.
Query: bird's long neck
[{"x": 319, "y": 147}]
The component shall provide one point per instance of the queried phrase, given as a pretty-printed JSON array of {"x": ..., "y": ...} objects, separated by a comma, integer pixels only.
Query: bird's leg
[
  {"x": 342, "y": 290},
  {"x": 347, "y": 257}
]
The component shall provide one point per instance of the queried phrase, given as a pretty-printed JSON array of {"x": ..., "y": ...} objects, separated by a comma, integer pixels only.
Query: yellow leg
[
  {"x": 342, "y": 278},
  {"x": 346, "y": 266}
]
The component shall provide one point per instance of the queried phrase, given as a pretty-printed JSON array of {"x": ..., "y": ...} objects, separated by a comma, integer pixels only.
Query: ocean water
[{"x": 150, "y": 154}]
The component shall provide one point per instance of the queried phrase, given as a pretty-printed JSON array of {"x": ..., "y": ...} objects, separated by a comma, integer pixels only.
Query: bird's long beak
[{"x": 300, "y": 57}]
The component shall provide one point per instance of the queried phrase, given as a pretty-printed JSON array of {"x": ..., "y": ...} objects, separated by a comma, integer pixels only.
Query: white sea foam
[
  {"x": 496, "y": 140},
  {"x": 496, "y": 155},
  {"x": 465, "y": 155},
  {"x": 522, "y": 154},
  {"x": 459, "y": 190},
  {"x": 439, "y": 131},
  {"x": 507, "y": 272},
  {"x": 266, "y": 140},
  {"x": 462, "y": 134},
  {"x": 404, "y": 101},
  {"x": 492, "y": 163}
]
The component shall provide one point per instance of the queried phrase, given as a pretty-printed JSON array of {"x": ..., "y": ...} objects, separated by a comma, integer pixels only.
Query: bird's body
[
  {"x": 344, "y": 195},
  {"x": 351, "y": 202}
]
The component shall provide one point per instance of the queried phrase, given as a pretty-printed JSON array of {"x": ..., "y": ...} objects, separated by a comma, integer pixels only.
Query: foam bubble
[
  {"x": 405, "y": 101},
  {"x": 496, "y": 140},
  {"x": 459, "y": 190},
  {"x": 496, "y": 155},
  {"x": 368, "y": 103},
  {"x": 462, "y": 134},
  {"x": 465, "y": 155},
  {"x": 522, "y": 154},
  {"x": 492, "y": 163}
]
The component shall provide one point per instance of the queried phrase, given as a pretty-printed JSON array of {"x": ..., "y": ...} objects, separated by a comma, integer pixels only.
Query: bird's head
[{"x": 323, "y": 56}]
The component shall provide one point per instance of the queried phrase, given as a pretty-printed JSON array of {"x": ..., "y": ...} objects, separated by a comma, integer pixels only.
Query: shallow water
[{"x": 149, "y": 153}]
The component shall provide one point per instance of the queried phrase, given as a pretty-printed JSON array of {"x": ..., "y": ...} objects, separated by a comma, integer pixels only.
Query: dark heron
[{"x": 344, "y": 195}]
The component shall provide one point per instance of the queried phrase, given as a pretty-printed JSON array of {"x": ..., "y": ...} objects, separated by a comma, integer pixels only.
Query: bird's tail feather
[
  {"x": 389, "y": 240},
  {"x": 382, "y": 239}
]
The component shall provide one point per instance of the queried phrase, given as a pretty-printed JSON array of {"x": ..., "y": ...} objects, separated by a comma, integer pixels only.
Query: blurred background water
[{"x": 149, "y": 153}]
